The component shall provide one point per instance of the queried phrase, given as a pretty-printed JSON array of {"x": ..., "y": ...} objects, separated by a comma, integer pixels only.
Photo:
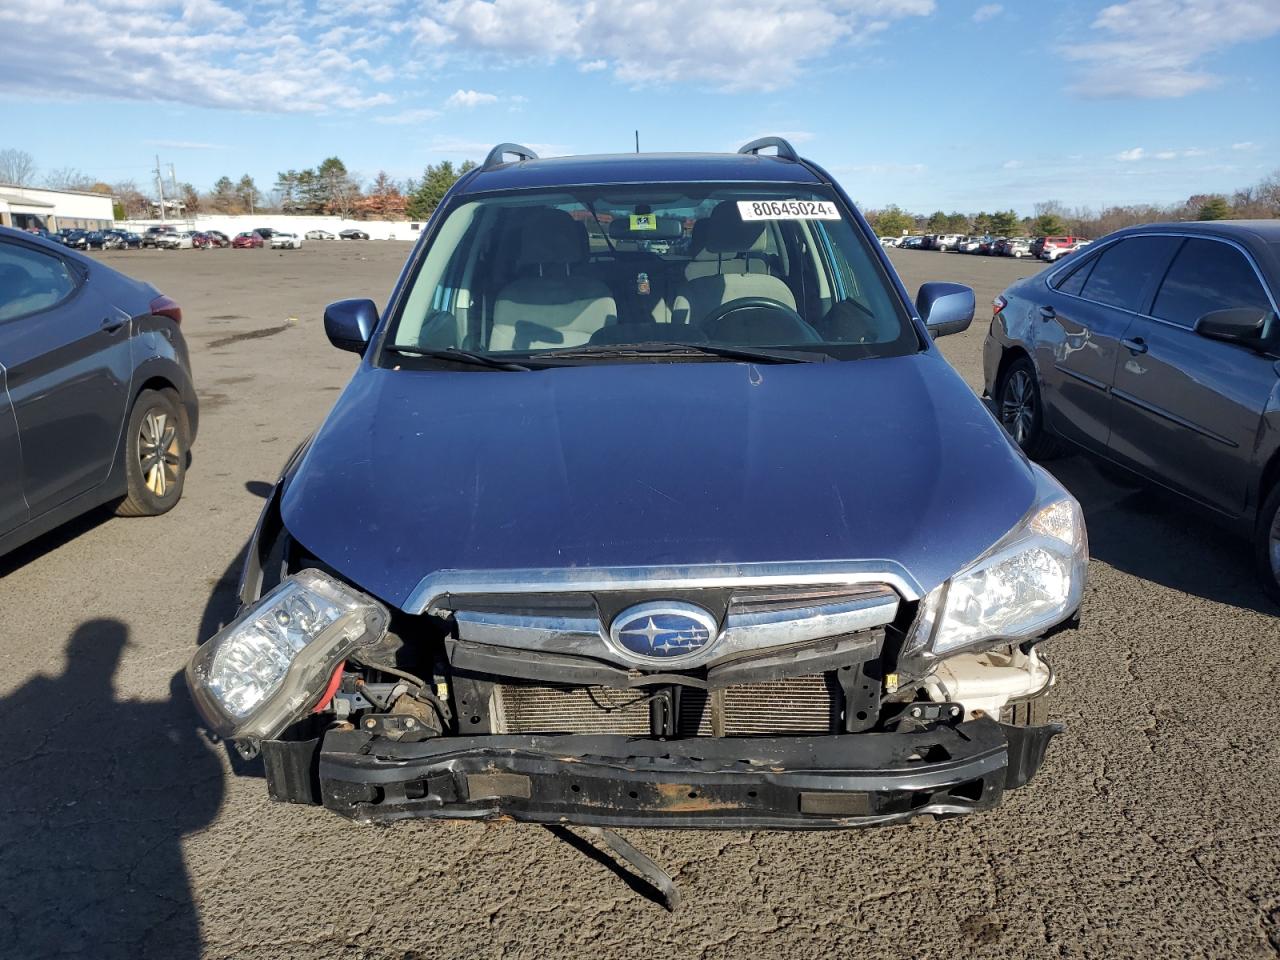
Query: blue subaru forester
[{"x": 651, "y": 503}]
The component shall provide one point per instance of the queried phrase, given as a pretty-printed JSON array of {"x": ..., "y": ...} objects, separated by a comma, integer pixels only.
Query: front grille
[{"x": 795, "y": 705}]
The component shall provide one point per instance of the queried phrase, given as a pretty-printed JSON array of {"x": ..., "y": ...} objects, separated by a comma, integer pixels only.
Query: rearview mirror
[
  {"x": 349, "y": 324},
  {"x": 946, "y": 308},
  {"x": 1243, "y": 325}
]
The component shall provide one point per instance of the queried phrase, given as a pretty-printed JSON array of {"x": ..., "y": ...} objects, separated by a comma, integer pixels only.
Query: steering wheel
[{"x": 790, "y": 327}]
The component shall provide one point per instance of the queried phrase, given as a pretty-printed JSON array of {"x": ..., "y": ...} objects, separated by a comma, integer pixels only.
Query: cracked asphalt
[{"x": 1150, "y": 831}]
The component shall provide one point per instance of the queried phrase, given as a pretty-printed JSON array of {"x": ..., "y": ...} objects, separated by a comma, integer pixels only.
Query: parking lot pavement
[{"x": 1149, "y": 832}]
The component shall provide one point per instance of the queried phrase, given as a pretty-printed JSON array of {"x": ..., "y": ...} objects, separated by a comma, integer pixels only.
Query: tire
[
  {"x": 155, "y": 449},
  {"x": 1266, "y": 546},
  {"x": 1021, "y": 411}
]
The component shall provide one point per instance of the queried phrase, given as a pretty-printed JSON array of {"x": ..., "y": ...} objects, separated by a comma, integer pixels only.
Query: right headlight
[
  {"x": 1030, "y": 580},
  {"x": 272, "y": 663}
]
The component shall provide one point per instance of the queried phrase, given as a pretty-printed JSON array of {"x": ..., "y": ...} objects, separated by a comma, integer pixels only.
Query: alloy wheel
[
  {"x": 158, "y": 452},
  {"x": 1018, "y": 406}
]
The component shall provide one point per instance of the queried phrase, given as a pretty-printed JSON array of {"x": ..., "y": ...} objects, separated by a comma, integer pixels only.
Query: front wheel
[
  {"x": 1267, "y": 544},
  {"x": 1021, "y": 411},
  {"x": 156, "y": 448}
]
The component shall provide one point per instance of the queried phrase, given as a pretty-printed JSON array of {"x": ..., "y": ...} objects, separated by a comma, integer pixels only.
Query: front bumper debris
[{"x": 850, "y": 780}]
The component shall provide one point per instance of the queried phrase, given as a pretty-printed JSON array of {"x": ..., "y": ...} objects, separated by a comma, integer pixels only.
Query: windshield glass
[{"x": 528, "y": 274}]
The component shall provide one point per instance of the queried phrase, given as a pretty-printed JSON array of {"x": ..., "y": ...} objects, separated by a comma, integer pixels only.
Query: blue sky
[{"x": 953, "y": 104}]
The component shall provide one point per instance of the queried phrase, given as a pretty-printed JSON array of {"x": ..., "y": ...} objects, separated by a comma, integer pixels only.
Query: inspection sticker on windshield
[
  {"x": 643, "y": 221},
  {"x": 787, "y": 210}
]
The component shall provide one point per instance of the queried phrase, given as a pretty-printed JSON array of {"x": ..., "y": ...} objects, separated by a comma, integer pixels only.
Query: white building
[{"x": 23, "y": 207}]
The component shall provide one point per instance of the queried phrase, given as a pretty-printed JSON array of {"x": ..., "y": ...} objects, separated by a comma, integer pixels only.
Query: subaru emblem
[{"x": 662, "y": 631}]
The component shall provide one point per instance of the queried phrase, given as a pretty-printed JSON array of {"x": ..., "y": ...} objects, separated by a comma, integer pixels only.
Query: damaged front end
[{"x": 780, "y": 695}]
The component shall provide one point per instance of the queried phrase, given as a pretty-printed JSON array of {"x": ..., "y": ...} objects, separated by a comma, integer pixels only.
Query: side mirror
[
  {"x": 349, "y": 324},
  {"x": 1243, "y": 325},
  {"x": 946, "y": 308}
]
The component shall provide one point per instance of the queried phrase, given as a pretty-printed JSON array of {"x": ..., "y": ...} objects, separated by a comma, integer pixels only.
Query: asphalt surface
[{"x": 1151, "y": 830}]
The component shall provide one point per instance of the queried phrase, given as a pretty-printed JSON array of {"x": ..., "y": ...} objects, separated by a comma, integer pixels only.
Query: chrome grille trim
[
  {"x": 434, "y": 587},
  {"x": 742, "y": 632}
]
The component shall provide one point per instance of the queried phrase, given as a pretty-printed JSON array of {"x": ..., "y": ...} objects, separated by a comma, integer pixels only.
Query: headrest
[
  {"x": 552, "y": 236},
  {"x": 725, "y": 231}
]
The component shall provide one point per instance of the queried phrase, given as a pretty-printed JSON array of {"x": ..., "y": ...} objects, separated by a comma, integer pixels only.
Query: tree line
[
  {"x": 1051, "y": 218},
  {"x": 330, "y": 188}
]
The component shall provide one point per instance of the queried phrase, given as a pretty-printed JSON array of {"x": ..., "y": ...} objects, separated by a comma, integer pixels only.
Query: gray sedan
[
  {"x": 96, "y": 400},
  {"x": 1156, "y": 349}
]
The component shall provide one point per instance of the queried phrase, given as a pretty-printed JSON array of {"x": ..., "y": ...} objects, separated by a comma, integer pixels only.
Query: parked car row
[{"x": 1049, "y": 249}]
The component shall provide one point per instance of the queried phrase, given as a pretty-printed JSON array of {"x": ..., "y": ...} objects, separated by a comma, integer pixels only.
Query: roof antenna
[{"x": 637, "y": 141}]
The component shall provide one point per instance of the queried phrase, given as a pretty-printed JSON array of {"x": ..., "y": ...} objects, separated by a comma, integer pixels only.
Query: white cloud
[
  {"x": 1012, "y": 165},
  {"x": 1129, "y": 156},
  {"x": 184, "y": 145},
  {"x": 407, "y": 117},
  {"x": 1244, "y": 145},
  {"x": 269, "y": 57},
  {"x": 1155, "y": 48},
  {"x": 883, "y": 169},
  {"x": 1166, "y": 155},
  {"x": 987, "y": 11},
  {"x": 591, "y": 66},
  {"x": 725, "y": 44},
  {"x": 470, "y": 98}
]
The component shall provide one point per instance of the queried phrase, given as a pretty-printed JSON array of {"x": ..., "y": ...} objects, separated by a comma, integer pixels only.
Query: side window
[
  {"x": 31, "y": 281},
  {"x": 1124, "y": 271},
  {"x": 1207, "y": 275},
  {"x": 1074, "y": 281}
]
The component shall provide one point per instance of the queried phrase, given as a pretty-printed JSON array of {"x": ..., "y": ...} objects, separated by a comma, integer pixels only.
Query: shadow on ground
[
  {"x": 96, "y": 795},
  {"x": 1149, "y": 533}
]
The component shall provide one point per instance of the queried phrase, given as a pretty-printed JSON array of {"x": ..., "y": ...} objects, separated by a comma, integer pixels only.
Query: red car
[{"x": 244, "y": 240}]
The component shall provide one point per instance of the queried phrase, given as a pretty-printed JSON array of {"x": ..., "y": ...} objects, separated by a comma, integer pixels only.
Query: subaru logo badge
[{"x": 662, "y": 631}]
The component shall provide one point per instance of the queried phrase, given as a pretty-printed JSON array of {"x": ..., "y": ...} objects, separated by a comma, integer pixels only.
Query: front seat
[
  {"x": 550, "y": 304},
  {"x": 726, "y": 234}
]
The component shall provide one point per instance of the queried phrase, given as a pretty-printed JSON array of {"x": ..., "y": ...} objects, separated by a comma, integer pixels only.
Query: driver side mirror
[
  {"x": 349, "y": 324},
  {"x": 1243, "y": 325},
  {"x": 946, "y": 308}
]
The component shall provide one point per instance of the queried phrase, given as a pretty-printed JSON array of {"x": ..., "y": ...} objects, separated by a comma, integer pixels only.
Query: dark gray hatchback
[{"x": 1157, "y": 350}]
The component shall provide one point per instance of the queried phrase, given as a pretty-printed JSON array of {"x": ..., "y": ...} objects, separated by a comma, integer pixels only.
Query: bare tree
[
  {"x": 136, "y": 206},
  {"x": 68, "y": 178},
  {"x": 16, "y": 167}
]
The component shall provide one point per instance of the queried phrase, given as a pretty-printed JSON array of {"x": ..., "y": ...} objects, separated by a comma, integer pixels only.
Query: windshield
[{"x": 530, "y": 274}]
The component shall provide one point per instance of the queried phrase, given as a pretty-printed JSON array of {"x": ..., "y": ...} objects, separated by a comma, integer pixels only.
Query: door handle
[
  {"x": 1047, "y": 313},
  {"x": 112, "y": 324},
  {"x": 1136, "y": 345}
]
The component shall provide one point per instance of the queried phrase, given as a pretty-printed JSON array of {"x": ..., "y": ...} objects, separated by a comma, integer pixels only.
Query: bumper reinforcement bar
[{"x": 850, "y": 780}]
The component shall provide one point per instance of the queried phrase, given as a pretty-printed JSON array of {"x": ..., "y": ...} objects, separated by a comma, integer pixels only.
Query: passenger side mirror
[
  {"x": 946, "y": 308},
  {"x": 1243, "y": 325},
  {"x": 349, "y": 324}
]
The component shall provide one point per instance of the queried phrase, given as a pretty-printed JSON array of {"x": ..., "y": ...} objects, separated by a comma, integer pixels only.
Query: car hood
[{"x": 418, "y": 472}]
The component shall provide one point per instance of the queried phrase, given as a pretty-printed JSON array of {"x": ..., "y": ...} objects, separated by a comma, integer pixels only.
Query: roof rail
[
  {"x": 494, "y": 159},
  {"x": 785, "y": 150}
]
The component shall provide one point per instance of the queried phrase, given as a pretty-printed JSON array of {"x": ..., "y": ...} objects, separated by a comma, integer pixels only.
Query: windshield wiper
[
  {"x": 457, "y": 356},
  {"x": 668, "y": 348}
]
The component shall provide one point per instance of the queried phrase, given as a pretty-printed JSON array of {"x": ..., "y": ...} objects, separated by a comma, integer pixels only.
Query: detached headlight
[
  {"x": 274, "y": 661},
  {"x": 1030, "y": 580}
]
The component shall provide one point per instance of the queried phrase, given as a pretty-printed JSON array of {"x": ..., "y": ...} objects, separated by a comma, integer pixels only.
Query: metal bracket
[{"x": 861, "y": 684}]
